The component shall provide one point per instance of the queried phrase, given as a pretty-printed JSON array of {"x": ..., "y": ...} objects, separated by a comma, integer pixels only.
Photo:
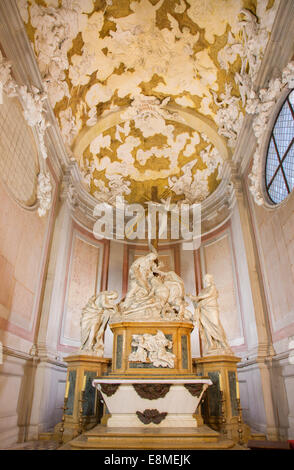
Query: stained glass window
[{"x": 279, "y": 167}]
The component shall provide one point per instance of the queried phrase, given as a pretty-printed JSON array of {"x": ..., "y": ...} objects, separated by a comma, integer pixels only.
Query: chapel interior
[{"x": 165, "y": 102}]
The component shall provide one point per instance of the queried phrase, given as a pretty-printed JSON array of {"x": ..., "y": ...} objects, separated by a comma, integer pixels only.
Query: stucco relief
[
  {"x": 130, "y": 163},
  {"x": 262, "y": 107},
  {"x": 152, "y": 348},
  {"x": 249, "y": 45},
  {"x": 44, "y": 192},
  {"x": 34, "y": 113},
  {"x": 94, "y": 60}
]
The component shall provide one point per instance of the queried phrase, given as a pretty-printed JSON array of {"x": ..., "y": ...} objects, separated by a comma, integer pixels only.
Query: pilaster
[{"x": 264, "y": 347}]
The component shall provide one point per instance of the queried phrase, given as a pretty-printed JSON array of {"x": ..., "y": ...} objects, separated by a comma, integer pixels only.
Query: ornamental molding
[
  {"x": 263, "y": 107},
  {"x": 149, "y": 114},
  {"x": 249, "y": 45},
  {"x": 44, "y": 193},
  {"x": 194, "y": 389},
  {"x": 109, "y": 389},
  {"x": 152, "y": 391},
  {"x": 151, "y": 416},
  {"x": 252, "y": 31},
  {"x": 32, "y": 102},
  {"x": 195, "y": 187},
  {"x": 216, "y": 209},
  {"x": 34, "y": 113}
]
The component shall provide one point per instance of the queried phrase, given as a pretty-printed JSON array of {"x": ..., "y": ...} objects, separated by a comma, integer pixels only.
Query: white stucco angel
[
  {"x": 212, "y": 334},
  {"x": 94, "y": 319}
]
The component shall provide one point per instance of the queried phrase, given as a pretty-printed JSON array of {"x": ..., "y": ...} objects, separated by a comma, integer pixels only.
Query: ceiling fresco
[{"x": 120, "y": 73}]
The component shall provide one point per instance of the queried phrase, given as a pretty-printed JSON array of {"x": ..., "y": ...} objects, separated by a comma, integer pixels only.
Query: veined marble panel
[
  {"x": 84, "y": 279},
  {"x": 217, "y": 259},
  {"x": 22, "y": 245},
  {"x": 275, "y": 239}
]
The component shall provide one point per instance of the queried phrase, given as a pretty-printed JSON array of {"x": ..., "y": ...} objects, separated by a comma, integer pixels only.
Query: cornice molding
[{"x": 216, "y": 209}]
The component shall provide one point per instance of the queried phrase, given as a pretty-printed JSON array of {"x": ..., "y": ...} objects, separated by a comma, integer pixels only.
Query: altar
[
  {"x": 152, "y": 391},
  {"x": 146, "y": 403}
]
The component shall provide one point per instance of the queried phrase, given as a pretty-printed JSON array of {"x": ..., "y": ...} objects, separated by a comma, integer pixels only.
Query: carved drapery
[
  {"x": 152, "y": 391},
  {"x": 151, "y": 416},
  {"x": 109, "y": 389},
  {"x": 194, "y": 389}
]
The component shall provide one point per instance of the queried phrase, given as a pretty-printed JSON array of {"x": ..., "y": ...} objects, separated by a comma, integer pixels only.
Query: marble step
[{"x": 102, "y": 437}]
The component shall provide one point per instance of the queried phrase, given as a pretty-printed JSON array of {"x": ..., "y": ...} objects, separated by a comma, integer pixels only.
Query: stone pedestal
[
  {"x": 81, "y": 415},
  {"x": 221, "y": 407}
]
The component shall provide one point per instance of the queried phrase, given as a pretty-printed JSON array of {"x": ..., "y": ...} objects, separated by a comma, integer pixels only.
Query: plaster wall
[
  {"x": 24, "y": 245},
  {"x": 275, "y": 241}
]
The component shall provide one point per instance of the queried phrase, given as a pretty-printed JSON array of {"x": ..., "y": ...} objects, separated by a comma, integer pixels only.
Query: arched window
[
  {"x": 279, "y": 166},
  {"x": 18, "y": 153}
]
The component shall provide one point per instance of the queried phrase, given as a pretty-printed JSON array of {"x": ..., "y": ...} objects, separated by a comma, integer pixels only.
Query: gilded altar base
[
  {"x": 221, "y": 405},
  {"x": 151, "y": 383},
  {"x": 81, "y": 398}
]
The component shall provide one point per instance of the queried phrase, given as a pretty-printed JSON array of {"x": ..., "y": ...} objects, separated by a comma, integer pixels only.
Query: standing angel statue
[
  {"x": 207, "y": 319},
  {"x": 94, "y": 319}
]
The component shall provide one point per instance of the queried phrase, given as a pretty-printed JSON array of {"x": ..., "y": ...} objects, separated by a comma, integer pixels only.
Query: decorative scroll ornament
[
  {"x": 149, "y": 114},
  {"x": 68, "y": 126},
  {"x": 229, "y": 117},
  {"x": 151, "y": 416},
  {"x": 44, "y": 192},
  {"x": 263, "y": 107},
  {"x": 34, "y": 114},
  {"x": 32, "y": 102},
  {"x": 109, "y": 389},
  {"x": 254, "y": 37},
  {"x": 8, "y": 84},
  {"x": 152, "y": 391},
  {"x": 194, "y": 389},
  {"x": 195, "y": 186}
]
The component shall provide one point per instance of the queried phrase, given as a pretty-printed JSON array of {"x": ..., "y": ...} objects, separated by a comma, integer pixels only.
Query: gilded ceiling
[{"x": 119, "y": 73}]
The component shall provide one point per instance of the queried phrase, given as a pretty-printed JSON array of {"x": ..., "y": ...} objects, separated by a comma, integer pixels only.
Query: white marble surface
[
  {"x": 167, "y": 380},
  {"x": 179, "y": 404}
]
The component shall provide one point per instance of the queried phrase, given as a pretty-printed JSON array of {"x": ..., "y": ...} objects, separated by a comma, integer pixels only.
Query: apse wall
[
  {"x": 215, "y": 256},
  {"x": 93, "y": 265},
  {"x": 274, "y": 236},
  {"x": 24, "y": 246},
  {"x": 79, "y": 266}
]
